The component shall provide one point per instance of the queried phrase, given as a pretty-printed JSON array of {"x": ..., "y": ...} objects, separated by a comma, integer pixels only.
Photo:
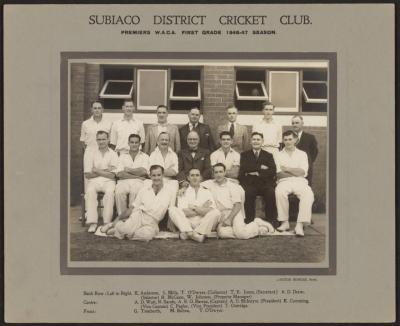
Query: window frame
[
  {"x": 314, "y": 100},
  {"x": 184, "y": 98},
  {"x": 251, "y": 98},
  {"x": 116, "y": 96}
]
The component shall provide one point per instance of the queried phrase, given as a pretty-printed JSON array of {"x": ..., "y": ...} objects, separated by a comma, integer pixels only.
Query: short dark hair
[
  {"x": 289, "y": 132},
  {"x": 297, "y": 116},
  {"x": 256, "y": 133},
  {"x": 102, "y": 132},
  {"x": 96, "y": 101},
  {"x": 134, "y": 136},
  {"x": 162, "y": 106},
  {"x": 195, "y": 108},
  {"x": 222, "y": 165},
  {"x": 129, "y": 100},
  {"x": 193, "y": 168},
  {"x": 231, "y": 107},
  {"x": 267, "y": 103},
  {"x": 163, "y": 133},
  {"x": 156, "y": 167},
  {"x": 225, "y": 133}
]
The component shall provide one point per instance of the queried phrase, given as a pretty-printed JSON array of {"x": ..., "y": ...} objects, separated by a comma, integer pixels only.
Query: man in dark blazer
[
  {"x": 203, "y": 130},
  {"x": 257, "y": 176},
  {"x": 193, "y": 157},
  {"x": 307, "y": 143}
]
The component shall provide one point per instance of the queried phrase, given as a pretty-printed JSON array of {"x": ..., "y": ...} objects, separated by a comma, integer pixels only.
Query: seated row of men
[{"x": 273, "y": 177}]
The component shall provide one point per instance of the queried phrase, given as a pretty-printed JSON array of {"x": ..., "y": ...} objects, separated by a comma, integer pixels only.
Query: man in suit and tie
[
  {"x": 257, "y": 176},
  {"x": 240, "y": 135},
  {"x": 193, "y": 157},
  {"x": 307, "y": 143},
  {"x": 203, "y": 130},
  {"x": 162, "y": 125}
]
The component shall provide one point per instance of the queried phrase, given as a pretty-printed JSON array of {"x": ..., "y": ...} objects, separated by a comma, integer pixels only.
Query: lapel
[{"x": 198, "y": 155}]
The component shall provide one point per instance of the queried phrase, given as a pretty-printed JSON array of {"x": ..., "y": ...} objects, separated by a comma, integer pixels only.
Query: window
[
  {"x": 284, "y": 90},
  {"x": 122, "y": 89},
  {"x": 184, "y": 90},
  {"x": 117, "y": 84},
  {"x": 249, "y": 90},
  {"x": 151, "y": 88},
  {"x": 315, "y": 90}
]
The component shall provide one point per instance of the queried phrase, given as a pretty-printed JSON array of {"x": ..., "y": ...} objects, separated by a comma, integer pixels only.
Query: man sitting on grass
[
  {"x": 140, "y": 221},
  {"x": 229, "y": 199},
  {"x": 196, "y": 215}
]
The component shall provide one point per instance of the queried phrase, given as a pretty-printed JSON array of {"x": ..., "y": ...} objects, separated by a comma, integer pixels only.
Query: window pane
[
  {"x": 316, "y": 90},
  {"x": 184, "y": 105},
  {"x": 119, "y": 73},
  {"x": 314, "y": 107},
  {"x": 121, "y": 88},
  {"x": 185, "y": 74},
  {"x": 250, "y": 75},
  {"x": 189, "y": 89},
  {"x": 250, "y": 89},
  {"x": 315, "y": 75}
]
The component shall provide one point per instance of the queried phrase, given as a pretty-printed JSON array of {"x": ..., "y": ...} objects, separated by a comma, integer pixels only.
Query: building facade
[{"x": 294, "y": 87}]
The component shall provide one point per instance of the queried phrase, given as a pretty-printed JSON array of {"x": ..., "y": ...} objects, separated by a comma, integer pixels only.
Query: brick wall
[
  {"x": 218, "y": 92},
  {"x": 78, "y": 99}
]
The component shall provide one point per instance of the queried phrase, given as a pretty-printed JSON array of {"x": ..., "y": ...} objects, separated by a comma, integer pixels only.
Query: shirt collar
[
  {"x": 230, "y": 150},
  {"x": 125, "y": 119},
  {"x": 159, "y": 151}
]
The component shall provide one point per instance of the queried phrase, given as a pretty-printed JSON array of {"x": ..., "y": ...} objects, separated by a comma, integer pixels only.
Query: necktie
[
  {"x": 232, "y": 130},
  {"x": 256, "y": 154}
]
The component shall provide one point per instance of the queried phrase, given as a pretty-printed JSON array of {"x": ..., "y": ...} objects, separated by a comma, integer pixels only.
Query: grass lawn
[{"x": 311, "y": 248}]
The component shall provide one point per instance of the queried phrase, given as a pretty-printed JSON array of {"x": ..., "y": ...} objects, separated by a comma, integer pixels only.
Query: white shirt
[
  {"x": 170, "y": 161},
  {"x": 121, "y": 129},
  {"x": 226, "y": 194},
  {"x": 230, "y": 160},
  {"x": 154, "y": 205},
  {"x": 141, "y": 161},
  {"x": 297, "y": 159},
  {"x": 96, "y": 159},
  {"x": 271, "y": 131},
  {"x": 89, "y": 129},
  {"x": 190, "y": 197},
  {"x": 161, "y": 129}
]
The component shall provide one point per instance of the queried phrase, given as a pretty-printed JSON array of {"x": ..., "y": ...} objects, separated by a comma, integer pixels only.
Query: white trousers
[
  {"x": 94, "y": 186},
  {"x": 124, "y": 188},
  {"x": 139, "y": 226},
  {"x": 200, "y": 224},
  {"x": 239, "y": 229},
  {"x": 302, "y": 190}
]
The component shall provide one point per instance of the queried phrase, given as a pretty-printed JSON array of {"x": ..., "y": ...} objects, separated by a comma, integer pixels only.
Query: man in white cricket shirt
[
  {"x": 196, "y": 215},
  {"x": 100, "y": 166},
  {"x": 229, "y": 200},
  {"x": 140, "y": 221},
  {"x": 291, "y": 168},
  {"x": 133, "y": 169}
]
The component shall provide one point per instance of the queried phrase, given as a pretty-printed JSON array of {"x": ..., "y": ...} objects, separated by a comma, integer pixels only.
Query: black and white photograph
[{"x": 201, "y": 160}]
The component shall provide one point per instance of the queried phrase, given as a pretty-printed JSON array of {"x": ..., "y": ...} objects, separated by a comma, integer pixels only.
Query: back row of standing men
[{"x": 255, "y": 169}]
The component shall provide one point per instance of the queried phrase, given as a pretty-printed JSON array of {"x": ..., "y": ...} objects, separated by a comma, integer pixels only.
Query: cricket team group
[{"x": 202, "y": 187}]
